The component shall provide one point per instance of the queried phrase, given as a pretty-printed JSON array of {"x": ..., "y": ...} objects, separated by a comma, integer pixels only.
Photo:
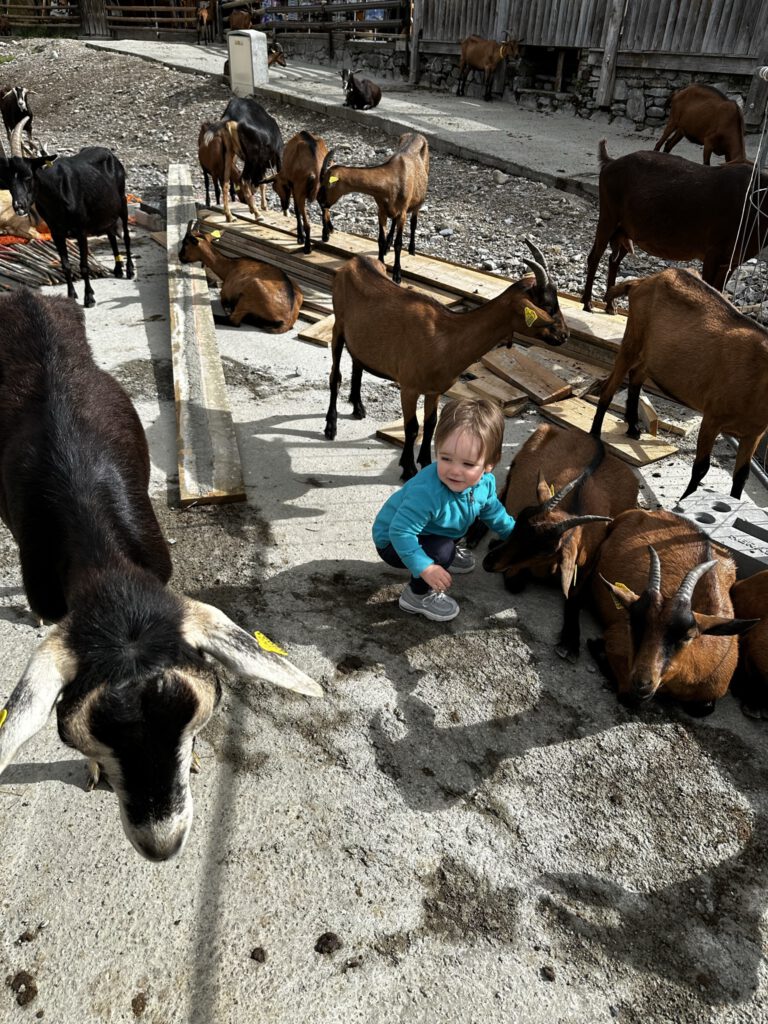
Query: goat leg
[
  {"x": 408, "y": 401},
  {"x": 430, "y": 420},
  {"x": 708, "y": 431},
  {"x": 355, "y": 398},
  {"x": 747, "y": 448},
  {"x": 118, "y": 271},
  {"x": 412, "y": 239},
  {"x": 570, "y": 634},
  {"x": 396, "y": 274},
  {"x": 632, "y": 411},
  {"x": 61, "y": 247},
  {"x": 337, "y": 347}
]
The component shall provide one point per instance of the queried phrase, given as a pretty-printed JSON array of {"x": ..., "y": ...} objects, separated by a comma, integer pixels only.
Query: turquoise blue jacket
[{"x": 425, "y": 505}]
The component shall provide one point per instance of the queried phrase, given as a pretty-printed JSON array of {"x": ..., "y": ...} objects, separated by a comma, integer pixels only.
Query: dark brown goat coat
[
  {"x": 674, "y": 209},
  {"x": 299, "y": 176},
  {"x": 750, "y": 601},
  {"x": 703, "y": 115}
]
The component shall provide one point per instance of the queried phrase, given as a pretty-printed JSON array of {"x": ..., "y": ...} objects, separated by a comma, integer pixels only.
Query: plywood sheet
[
  {"x": 575, "y": 412},
  {"x": 527, "y": 375},
  {"x": 394, "y": 433},
  {"x": 319, "y": 333}
]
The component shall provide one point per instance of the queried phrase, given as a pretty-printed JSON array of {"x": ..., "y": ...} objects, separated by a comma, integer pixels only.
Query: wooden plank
[
  {"x": 208, "y": 457},
  {"x": 319, "y": 333},
  {"x": 394, "y": 433},
  {"x": 575, "y": 412},
  {"x": 459, "y": 389},
  {"x": 619, "y": 403},
  {"x": 526, "y": 374}
]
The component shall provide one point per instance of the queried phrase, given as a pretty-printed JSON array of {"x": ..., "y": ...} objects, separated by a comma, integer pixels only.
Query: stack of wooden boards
[
  {"x": 555, "y": 379},
  {"x": 35, "y": 263}
]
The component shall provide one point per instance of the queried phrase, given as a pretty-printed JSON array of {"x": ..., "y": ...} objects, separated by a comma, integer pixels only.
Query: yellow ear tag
[
  {"x": 266, "y": 644},
  {"x": 118, "y": 258},
  {"x": 215, "y": 234},
  {"x": 332, "y": 180},
  {"x": 619, "y": 586},
  {"x": 551, "y": 490},
  {"x": 530, "y": 317},
  {"x": 3, "y": 716}
]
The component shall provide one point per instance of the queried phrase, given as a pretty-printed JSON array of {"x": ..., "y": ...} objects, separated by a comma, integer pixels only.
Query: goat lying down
[
  {"x": 251, "y": 290},
  {"x": 127, "y": 664}
]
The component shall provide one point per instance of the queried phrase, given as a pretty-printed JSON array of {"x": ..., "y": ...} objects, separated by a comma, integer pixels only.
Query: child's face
[{"x": 461, "y": 461}]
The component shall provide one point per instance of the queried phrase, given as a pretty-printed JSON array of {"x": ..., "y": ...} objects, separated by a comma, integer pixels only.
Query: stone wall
[{"x": 641, "y": 95}]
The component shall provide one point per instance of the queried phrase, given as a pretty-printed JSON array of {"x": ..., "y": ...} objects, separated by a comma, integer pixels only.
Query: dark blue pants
[{"x": 440, "y": 549}]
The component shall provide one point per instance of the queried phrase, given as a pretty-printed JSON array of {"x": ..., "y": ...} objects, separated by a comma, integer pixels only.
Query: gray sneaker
[
  {"x": 463, "y": 561},
  {"x": 438, "y": 607}
]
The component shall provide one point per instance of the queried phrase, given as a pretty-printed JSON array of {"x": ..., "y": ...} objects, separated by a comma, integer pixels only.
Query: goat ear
[
  {"x": 48, "y": 671},
  {"x": 210, "y": 630},
  {"x": 623, "y": 597},
  {"x": 543, "y": 491},
  {"x": 569, "y": 553},
  {"x": 717, "y": 625}
]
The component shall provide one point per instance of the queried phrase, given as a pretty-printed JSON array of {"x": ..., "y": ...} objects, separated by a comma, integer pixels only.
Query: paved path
[{"x": 559, "y": 148}]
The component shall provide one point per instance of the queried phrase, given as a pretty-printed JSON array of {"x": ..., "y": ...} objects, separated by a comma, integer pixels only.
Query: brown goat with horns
[
  {"x": 412, "y": 339},
  {"x": 663, "y": 599},
  {"x": 562, "y": 489},
  {"x": 484, "y": 55},
  {"x": 702, "y": 352}
]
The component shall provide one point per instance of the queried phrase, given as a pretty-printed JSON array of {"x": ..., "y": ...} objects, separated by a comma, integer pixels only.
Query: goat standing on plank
[
  {"x": 703, "y": 115},
  {"x": 251, "y": 290},
  {"x": 398, "y": 186},
  {"x": 662, "y": 597},
  {"x": 76, "y": 196},
  {"x": 562, "y": 488},
  {"x": 127, "y": 664},
  {"x": 299, "y": 177},
  {"x": 677, "y": 210},
  {"x": 412, "y": 339},
  {"x": 484, "y": 55},
  {"x": 703, "y": 353},
  {"x": 256, "y": 140}
]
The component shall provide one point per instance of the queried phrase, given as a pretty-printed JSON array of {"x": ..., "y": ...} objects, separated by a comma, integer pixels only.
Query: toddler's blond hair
[{"x": 477, "y": 417}]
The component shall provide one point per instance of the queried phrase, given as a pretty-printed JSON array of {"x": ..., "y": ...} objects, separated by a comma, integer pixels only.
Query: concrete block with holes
[{"x": 738, "y": 524}]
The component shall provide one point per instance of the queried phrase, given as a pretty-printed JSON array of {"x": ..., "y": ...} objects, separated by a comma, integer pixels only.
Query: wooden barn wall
[
  {"x": 732, "y": 28},
  {"x": 721, "y": 27}
]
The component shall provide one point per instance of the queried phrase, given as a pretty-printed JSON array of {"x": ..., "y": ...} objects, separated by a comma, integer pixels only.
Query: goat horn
[
  {"x": 541, "y": 275},
  {"x": 2, "y": 151},
  {"x": 558, "y": 529},
  {"x": 16, "y": 138},
  {"x": 538, "y": 255},
  {"x": 654, "y": 576},
  {"x": 326, "y": 163},
  {"x": 685, "y": 593},
  {"x": 506, "y": 35}
]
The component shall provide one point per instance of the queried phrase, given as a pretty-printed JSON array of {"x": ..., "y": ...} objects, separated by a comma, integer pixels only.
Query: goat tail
[
  {"x": 621, "y": 289},
  {"x": 602, "y": 154},
  {"x": 232, "y": 130}
]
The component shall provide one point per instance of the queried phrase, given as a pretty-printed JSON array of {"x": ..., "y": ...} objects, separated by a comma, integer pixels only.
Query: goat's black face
[{"x": 17, "y": 176}]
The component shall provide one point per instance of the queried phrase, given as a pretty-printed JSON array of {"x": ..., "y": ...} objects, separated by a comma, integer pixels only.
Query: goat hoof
[
  {"x": 131, "y": 272},
  {"x": 330, "y": 433},
  {"x": 634, "y": 433},
  {"x": 118, "y": 271},
  {"x": 408, "y": 473},
  {"x": 567, "y": 653},
  {"x": 587, "y": 307},
  {"x": 89, "y": 301},
  {"x": 307, "y": 248}
]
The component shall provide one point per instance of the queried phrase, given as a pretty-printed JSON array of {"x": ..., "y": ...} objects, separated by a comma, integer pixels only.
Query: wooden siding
[{"x": 730, "y": 28}]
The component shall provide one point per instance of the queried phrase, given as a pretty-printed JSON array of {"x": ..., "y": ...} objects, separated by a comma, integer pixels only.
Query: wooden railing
[
  {"x": 42, "y": 14},
  {"x": 167, "y": 16},
  {"x": 351, "y": 17}
]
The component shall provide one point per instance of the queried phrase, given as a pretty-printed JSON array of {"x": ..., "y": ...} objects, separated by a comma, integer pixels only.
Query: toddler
[{"x": 418, "y": 526}]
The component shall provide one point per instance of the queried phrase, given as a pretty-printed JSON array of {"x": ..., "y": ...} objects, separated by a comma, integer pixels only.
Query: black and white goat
[
  {"x": 76, "y": 196},
  {"x": 127, "y": 664},
  {"x": 359, "y": 93},
  {"x": 14, "y": 106},
  {"x": 259, "y": 143}
]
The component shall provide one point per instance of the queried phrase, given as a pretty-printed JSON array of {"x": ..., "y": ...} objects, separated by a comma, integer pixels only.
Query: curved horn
[
  {"x": 538, "y": 255},
  {"x": 558, "y": 529},
  {"x": 48, "y": 671},
  {"x": 506, "y": 35},
  {"x": 2, "y": 151},
  {"x": 16, "y": 138},
  {"x": 542, "y": 280},
  {"x": 555, "y": 500},
  {"x": 326, "y": 163},
  {"x": 685, "y": 593},
  {"x": 654, "y": 576}
]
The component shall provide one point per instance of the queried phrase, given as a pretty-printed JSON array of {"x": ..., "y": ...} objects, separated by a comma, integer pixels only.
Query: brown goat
[
  {"x": 484, "y": 55},
  {"x": 411, "y": 338},
  {"x": 249, "y": 288},
  {"x": 562, "y": 488},
  {"x": 670, "y": 629},
  {"x": 750, "y": 601},
  {"x": 674, "y": 209},
  {"x": 212, "y": 152},
  {"x": 205, "y": 22},
  {"x": 702, "y": 352},
  {"x": 703, "y": 115},
  {"x": 276, "y": 55},
  {"x": 299, "y": 176},
  {"x": 239, "y": 20},
  {"x": 398, "y": 186}
]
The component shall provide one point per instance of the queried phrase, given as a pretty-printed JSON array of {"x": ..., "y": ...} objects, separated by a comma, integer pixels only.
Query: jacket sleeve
[
  {"x": 494, "y": 515},
  {"x": 408, "y": 522}
]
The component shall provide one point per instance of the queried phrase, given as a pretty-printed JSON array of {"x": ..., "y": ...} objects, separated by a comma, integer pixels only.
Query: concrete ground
[{"x": 490, "y": 836}]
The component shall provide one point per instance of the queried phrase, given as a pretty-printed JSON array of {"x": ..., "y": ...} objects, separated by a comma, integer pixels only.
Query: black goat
[
  {"x": 359, "y": 93},
  {"x": 259, "y": 139},
  {"x": 76, "y": 196},
  {"x": 14, "y": 106},
  {"x": 125, "y": 665}
]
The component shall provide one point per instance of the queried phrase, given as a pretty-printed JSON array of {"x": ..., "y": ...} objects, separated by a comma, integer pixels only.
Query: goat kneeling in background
[
  {"x": 251, "y": 291},
  {"x": 127, "y": 664}
]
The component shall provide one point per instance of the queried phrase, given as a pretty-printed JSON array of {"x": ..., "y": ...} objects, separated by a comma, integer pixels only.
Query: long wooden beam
[{"x": 208, "y": 456}]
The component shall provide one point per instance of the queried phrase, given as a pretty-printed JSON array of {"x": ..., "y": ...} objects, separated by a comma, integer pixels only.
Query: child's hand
[{"x": 437, "y": 577}]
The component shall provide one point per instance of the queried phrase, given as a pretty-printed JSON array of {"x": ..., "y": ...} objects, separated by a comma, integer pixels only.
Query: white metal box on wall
[{"x": 247, "y": 60}]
